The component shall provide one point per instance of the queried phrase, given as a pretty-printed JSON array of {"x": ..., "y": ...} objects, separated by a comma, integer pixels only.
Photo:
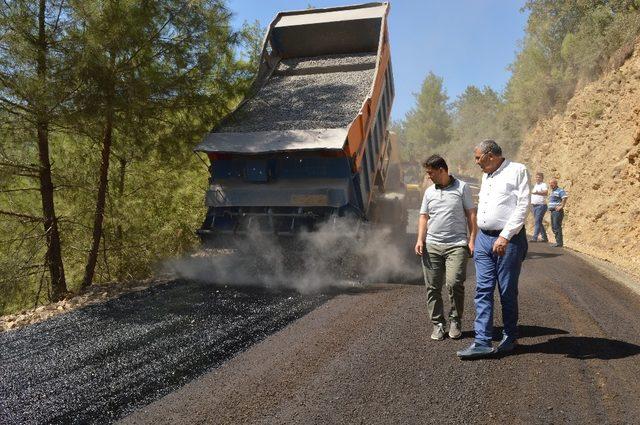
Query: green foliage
[
  {"x": 251, "y": 38},
  {"x": 567, "y": 44},
  {"x": 170, "y": 70},
  {"x": 23, "y": 93},
  {"x": 427, "y": 126},
  {"x": 475, "y": 113}
]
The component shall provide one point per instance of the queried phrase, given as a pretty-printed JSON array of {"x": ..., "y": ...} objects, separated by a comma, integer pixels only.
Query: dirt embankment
[{"x": 593, "y": 148}]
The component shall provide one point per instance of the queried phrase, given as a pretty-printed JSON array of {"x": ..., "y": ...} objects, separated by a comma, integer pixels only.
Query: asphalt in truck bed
[{"x": 210, "y": 354}]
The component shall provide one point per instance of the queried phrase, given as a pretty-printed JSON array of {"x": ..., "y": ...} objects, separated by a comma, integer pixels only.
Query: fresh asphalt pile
[
  {"x": 318, "y": 63},
  {"x": 101, "y": 362},
  {"x": 327, "y": 93}
]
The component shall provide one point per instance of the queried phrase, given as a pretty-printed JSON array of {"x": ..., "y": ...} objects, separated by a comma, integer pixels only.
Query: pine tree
[
  {"x": 34, "y": 87},
  {"x": 144, "y": 63},
  {"x": 427, "y": 126}
]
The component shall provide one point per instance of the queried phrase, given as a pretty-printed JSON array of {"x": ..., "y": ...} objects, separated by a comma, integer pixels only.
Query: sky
[{"x": 466, "y": 42}]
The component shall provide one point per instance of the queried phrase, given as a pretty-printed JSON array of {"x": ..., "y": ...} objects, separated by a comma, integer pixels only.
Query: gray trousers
[{"x": 445, "y": 264}]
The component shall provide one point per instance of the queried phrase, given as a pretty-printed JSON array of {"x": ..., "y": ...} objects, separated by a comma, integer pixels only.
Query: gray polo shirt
[{"x": 445, "y": 208}]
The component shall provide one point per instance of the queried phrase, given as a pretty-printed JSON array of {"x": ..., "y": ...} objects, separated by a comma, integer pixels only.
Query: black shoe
[{"x": 506, "y": 345}]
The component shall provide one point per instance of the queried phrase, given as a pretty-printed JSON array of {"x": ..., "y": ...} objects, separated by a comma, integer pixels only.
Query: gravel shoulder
[{"x": 367, "y": 358}]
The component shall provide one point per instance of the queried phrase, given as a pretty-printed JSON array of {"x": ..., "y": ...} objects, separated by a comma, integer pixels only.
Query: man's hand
[
  {"x": 559, "y": 208},
  {"x": 472, "y": 246},
  {"x": 419, "y": 248},
  {"x": 500, "y": 246}
]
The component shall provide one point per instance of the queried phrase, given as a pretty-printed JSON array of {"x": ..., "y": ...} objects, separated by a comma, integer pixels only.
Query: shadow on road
[
  {"x": 583, "y": 347},
  {"x": 535, "y": 255},
  {"x": 525, "y": 331},
  {"x": 532, "y": 331},
  {"x": 575, "y": 347}
]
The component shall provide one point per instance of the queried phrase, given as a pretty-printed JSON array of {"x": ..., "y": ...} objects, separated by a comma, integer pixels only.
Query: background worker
[
  {"x": 539, "y": 206},
  {"x": 446, "y": 234},
  {"x": 557, "y": 201},
  {"x": 500, "y": 247}
]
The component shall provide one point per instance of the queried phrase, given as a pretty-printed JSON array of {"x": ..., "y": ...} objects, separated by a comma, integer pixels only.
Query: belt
[{"x": 494, "y": 233}]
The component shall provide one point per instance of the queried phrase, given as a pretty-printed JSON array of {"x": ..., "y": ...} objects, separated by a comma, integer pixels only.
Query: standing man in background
[
  {"x": 557, "y": 201},
  {"x": 447, "y": 223},
  {"x": 500, "y": 247},
  {"x": 539, "y": 206}
]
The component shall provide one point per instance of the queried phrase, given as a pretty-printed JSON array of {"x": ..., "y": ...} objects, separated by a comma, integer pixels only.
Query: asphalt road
[
  {"x": 367, "y": 358},
  {"x": 190, "y": 352},
  {"x": 96, "y": 364}
]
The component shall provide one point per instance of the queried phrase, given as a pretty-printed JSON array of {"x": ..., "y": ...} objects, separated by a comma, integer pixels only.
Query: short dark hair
[{"x": 435, "y": 161}]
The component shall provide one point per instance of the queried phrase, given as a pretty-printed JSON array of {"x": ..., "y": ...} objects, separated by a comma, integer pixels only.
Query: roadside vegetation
[
  {"x": 567, "y": 44},
  {"x": 100, "y": 105}
]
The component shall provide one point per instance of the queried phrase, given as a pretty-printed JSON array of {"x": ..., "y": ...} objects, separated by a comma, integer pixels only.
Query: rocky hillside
[{"x": 593, "y": 148}]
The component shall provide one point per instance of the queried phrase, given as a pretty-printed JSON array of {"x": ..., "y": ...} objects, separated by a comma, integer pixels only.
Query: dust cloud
[{"x": 340, "y": 254}]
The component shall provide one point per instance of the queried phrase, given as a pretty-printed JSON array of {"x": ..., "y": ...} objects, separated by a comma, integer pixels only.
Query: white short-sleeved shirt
[
  {"x": 539, "y": 199},
  {"x": 445, "y": 207}
]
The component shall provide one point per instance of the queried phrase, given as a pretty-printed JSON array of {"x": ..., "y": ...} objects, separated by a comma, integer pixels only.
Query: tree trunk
[
  {"x": 102, "y": 194},
  {"x": 54, "y": 248},
  {"x": 118, "y": 243},
  {"x": 121, "y": 180}
]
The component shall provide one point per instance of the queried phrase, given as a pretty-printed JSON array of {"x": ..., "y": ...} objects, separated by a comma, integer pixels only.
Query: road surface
[
  {"x": 190, "y": 352},
  {"x": 367, "y": 358}
]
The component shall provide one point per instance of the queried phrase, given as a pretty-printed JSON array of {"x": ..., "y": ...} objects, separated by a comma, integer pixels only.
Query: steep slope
[{"x": 593, "y": 148}]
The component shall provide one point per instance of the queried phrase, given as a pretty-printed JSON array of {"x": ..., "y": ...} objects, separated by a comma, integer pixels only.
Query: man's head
[
  {"x": 436, "y": 168},
  {"x": 488, "y": 155},
  {"x": 553, "y": 183},
  {"x": 539, "y": 177}
]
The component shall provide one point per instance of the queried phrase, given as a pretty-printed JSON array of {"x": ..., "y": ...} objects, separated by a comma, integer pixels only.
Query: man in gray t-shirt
[{"x": 446, "y": 234}]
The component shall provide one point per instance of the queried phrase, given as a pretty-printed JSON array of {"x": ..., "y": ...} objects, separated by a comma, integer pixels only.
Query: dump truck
[{"x": 310, "y": 141}]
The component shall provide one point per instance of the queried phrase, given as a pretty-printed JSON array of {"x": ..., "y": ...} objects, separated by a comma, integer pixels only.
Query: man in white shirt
[
  {"x": 539, "y": 207},
  {"x": 500, "y": 248},
  {"x": 446, "y": 233}
]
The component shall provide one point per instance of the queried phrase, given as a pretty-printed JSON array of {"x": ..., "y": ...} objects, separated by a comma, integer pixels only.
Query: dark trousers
[
  {"x": 492, "y": 269},
  {"x": 556, "y": 225}
]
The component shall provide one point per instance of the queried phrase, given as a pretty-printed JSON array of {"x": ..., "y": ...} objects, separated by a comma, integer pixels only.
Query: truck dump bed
[
  {"x": 310, "y": 139},
  {"x": 307, "y": 93}
]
